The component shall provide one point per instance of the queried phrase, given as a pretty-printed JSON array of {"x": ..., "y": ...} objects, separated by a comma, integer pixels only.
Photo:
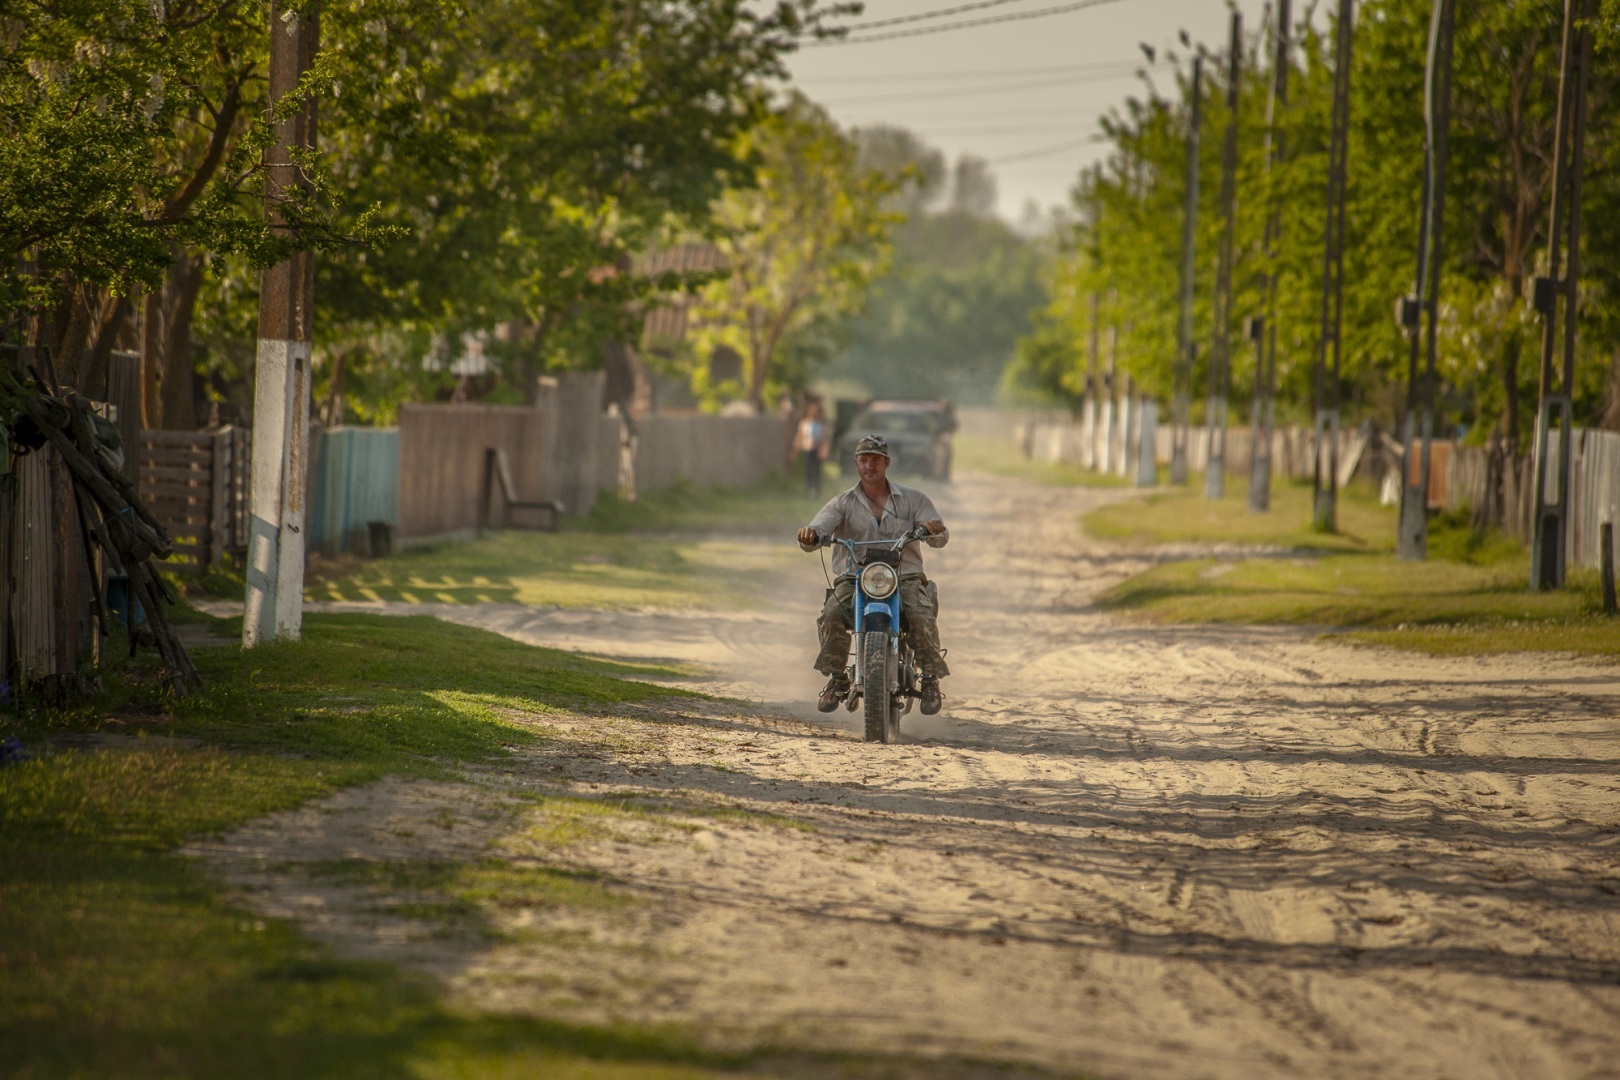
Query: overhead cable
[
  {"x": 985, "y": 73},
  {"x": 974, "y": 91},
  {"x": 1060, "y": 9},
  {"x": 924, "y": 15},
  {"x": 1044, "y": 151}
]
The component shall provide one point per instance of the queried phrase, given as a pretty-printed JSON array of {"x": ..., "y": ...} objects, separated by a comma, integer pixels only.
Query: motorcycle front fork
[{"x": 902, "y": 675}]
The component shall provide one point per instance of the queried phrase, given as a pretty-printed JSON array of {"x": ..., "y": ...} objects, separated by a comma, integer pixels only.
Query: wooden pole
[{"x": 275, "y": 560}]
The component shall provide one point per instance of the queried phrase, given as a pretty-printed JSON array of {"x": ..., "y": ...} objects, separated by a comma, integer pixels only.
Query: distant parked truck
[{"x": 918, "y": 430}]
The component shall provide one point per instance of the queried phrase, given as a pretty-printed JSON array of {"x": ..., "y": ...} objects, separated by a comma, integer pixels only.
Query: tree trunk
[
  {"x": 1611, "y": 403},
  {"x": 168, "y": 381},
  {"x": 1512, "y": 352},
  {"x": 151, "y": 338},
  {"x": 113, "y": 312},
  {"x": 180, "y": 375},
  {"x": 331, "y": 410}
]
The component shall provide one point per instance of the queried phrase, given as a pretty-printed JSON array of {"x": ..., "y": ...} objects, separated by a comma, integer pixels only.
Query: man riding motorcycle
[{"x": 876, "y": 508}]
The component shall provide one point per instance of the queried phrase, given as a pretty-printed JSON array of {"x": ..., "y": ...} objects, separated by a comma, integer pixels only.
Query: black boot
[
  {"x": 836, "y": 690},
  {"x": 930, "y": 697}
]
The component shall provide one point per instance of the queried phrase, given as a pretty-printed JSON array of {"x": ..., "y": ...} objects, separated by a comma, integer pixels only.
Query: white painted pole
[
  {"x": 1147, "y": 457},
  {"x": 273, "y": 604}
]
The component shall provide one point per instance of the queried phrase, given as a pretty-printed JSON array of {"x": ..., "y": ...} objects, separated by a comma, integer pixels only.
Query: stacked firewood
[{"x": 111, "y": 517}]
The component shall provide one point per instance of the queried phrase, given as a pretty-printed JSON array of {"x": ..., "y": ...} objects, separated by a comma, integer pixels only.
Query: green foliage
[
  {"x": 525, "y": 147},
  {"x": 1124, "y": 251},
  {"x": 945, "y": 320},
  {"x": 133, "y": 131},
  {"x": 803, "y": 242}
]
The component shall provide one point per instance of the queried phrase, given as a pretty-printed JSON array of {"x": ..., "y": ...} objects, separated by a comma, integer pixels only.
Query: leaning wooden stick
[{"x": 110, "y": 514}]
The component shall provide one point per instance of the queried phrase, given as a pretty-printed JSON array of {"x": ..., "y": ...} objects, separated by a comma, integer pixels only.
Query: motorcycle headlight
[{"x": 879, "y": 581}]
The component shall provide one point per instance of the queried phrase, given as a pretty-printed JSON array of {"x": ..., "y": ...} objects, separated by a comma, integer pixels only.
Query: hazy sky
[{"x": 1025, "y": 94}]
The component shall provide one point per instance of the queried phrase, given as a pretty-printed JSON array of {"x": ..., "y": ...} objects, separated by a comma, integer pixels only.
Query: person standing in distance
[
  {"x": 877, "y": 508},
  {"x": 811, "y": 441}
]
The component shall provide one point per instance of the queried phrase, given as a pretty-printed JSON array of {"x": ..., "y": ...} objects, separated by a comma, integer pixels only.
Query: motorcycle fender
[{"x": 875, "y": 617}]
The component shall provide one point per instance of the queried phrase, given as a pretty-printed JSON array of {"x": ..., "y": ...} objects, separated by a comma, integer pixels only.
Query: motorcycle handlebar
[{"x": 919, "y": 533}]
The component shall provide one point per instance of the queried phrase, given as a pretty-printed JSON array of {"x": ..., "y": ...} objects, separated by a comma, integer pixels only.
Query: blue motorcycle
[{"x": 884, "y": 676}]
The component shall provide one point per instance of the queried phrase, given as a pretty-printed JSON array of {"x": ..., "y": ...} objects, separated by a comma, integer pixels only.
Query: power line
[
  {"x": 993, "y": 131},
  {"x": 1044, "y": 151},
  {"x": 924, "y": 15},
  {"x": 1061, "y": 9},
  {"x": 971, "y": 91},
  {"x": 986, "y": 73}
]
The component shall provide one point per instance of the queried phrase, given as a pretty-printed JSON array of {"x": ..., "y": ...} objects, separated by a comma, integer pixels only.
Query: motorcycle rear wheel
[{"x": 875, "y": 688}]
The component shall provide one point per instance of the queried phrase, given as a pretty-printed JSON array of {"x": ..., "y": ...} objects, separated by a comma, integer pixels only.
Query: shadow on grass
[
  {"x": 131, "y": 967},
  {"x": 119, "y": 959}
]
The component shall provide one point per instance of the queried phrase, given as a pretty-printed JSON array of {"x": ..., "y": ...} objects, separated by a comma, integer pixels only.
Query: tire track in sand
[{"x": 1125, "y": 850}]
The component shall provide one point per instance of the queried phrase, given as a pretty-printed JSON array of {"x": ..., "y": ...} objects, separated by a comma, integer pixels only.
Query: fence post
[
  {"x": 219, "y": 482},
  {"x": 1606, "y": 537},
  {"x": 486, "y": 490}
]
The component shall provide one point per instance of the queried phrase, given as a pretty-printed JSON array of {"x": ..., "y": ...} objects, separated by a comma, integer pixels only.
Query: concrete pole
[
  {"x": 1413, "y": 542},
  {"x": 1088, "y": 423},
  {"x": 1220, "y": 367},
  {"x": 1110, "y": 410},
  {"x": 275, "y": 556},
  {"x": 1262, "y": 420},
  {"x": 1555, "y": 297},
  {"x": 1147, "y": 439},
  {"x": 1128, "y": 425},
  {"x": 1184, "y": 338},
  {"x": 1325, "y": 515}
]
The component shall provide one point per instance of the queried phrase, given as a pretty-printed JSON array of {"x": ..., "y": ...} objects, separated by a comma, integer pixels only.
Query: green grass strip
[
  {"x": 1469, "y": 597},
  {"x": 119, "y": 959}
]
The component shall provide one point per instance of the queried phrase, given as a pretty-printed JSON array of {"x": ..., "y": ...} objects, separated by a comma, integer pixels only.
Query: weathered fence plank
[{"x": 195, "y": 483}]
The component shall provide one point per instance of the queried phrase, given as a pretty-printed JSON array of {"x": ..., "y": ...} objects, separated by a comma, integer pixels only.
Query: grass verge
[
  {"x": 681, "y": 548},
  {"x": 119, "y": 959},
  {"x": 1004, "y": 459},
  {"x": 1468, "y": 598},
  {"x": 1185, "y": 515}
]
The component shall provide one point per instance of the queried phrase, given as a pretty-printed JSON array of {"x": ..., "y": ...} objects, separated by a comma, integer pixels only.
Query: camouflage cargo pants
[{"x": 918, "y": 611}]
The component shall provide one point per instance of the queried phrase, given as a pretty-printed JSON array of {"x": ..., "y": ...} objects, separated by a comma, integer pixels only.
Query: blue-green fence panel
[{"x": 356, "y": 483}]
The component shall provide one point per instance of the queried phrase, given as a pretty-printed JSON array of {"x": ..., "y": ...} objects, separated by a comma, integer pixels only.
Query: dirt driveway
[{"x": 1121, "y": 851}]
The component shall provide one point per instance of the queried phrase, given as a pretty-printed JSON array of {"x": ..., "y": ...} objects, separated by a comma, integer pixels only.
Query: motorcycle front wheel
[{"x": 875, "y": 688}]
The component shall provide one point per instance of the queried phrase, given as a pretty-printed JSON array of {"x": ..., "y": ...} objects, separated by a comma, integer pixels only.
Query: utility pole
[
  {"x": 1093, "y": 384},
  {"x": 275, "y": 557},
  {"x": 1420, "y": 315},
  {"x": 1220, "y": 365},
  {"x": 1184, "y": 336},
  {"x": 1111, "y": 389},
  {"x": 1555, "y": 298},
  {"x": 1263, "y": 417},
  {"x": 1324, "y": 516}
]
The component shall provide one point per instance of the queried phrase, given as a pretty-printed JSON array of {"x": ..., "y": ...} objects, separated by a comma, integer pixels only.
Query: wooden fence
[
  {"x": 1113, "y": 446},
  {"x": 1500, "y": 490},
  {"x": 196, "y": 483},
  {"x": 441, "y": 462}
]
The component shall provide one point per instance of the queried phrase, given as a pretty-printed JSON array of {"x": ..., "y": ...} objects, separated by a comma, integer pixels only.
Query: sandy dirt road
[{"x": 1121, "y": 852}]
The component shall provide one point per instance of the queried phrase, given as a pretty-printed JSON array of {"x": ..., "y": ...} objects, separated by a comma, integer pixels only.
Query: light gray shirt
[{"x": 849, "y": 516}]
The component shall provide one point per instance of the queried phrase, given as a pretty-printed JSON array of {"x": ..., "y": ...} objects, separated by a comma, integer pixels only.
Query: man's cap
[{"x": 872, "y": 444}]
